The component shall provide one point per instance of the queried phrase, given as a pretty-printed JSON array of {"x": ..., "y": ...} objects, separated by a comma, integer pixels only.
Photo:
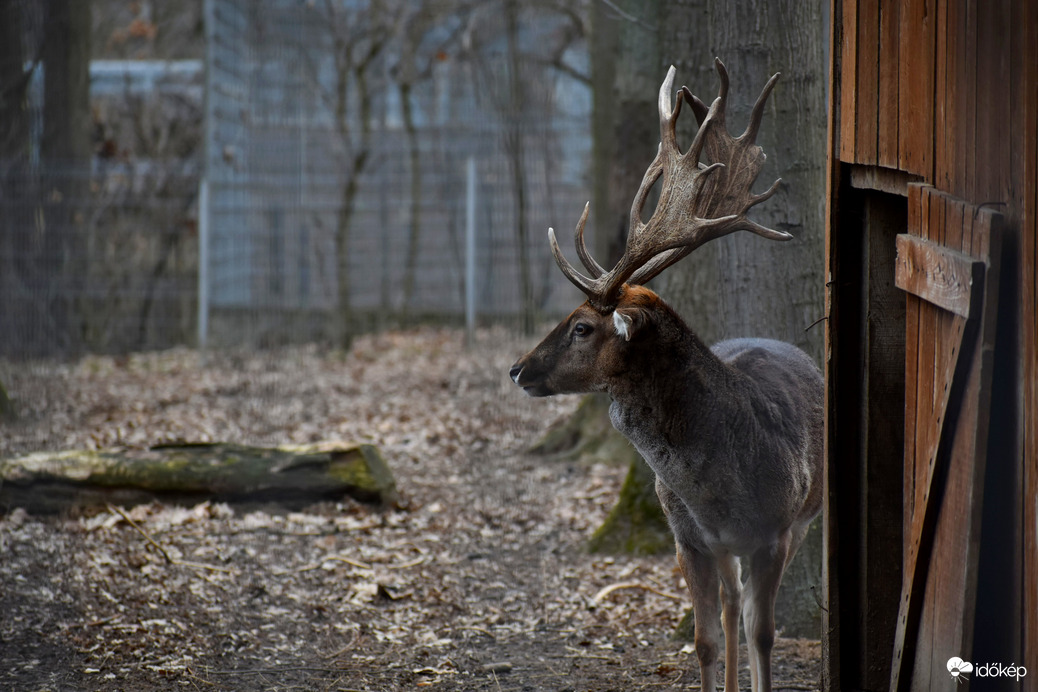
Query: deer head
[{"x": 698, "y": 201}]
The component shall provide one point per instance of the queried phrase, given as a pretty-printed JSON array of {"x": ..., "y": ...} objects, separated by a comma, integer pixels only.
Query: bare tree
[
  {"x": 514, "y": 84},
  {"x": 48, "y": 42},
  {"x": 359, "y": 37},
  {"x": 426, "y": 33}
]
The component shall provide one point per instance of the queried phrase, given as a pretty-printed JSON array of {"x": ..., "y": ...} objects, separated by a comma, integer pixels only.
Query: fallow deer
[{"x": 733, "y": 433}]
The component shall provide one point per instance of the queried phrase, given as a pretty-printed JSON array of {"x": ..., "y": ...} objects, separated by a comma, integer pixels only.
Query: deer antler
[{"x": 698, "y": 202}]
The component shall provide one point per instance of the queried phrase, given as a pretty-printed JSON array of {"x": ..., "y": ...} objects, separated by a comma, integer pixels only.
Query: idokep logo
[{"x": 960, "y": 670}]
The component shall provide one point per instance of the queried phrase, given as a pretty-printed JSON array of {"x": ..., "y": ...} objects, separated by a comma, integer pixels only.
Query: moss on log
[
  {"x": 7, "y": 410},
  {"x": 47, "y": 482}
]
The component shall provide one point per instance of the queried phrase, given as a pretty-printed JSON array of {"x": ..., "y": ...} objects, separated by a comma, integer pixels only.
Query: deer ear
[{"x": 627, "y": 321}]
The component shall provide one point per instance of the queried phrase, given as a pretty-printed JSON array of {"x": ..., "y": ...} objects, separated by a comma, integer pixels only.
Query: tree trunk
[
  {"x": 43, "y": 181},
  {"x": 15, "y": 76},
  {"x": 65, "y": 153},
  {"x": 743, "y": 285},
  {"x": 625, "y": 60},
  {"x": 359, "y": 154},
  {"x": 414, "y": 226},
  {"x": 515, "y": 146}
]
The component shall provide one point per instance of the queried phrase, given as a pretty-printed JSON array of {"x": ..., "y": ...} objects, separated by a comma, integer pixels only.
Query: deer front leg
[
  {"x": 766, "y": 568},
  {"x": 700, "y": 572},
  {"x": 731, "y": 600}
]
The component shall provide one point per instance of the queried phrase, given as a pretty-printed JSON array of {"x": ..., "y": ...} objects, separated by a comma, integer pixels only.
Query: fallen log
[{"x": 49, "y": 482}]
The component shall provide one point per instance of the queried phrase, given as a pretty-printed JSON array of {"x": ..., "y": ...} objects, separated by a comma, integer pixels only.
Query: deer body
[
  {"x": 707, "y": 430},
  {"x": 733, "y": 433}
]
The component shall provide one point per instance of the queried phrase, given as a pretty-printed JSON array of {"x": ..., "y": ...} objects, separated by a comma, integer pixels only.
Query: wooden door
[{"x": 948, "y": 265}]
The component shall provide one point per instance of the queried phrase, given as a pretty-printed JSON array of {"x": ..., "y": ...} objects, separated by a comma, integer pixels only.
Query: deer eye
[{"x": 582, "y": 329}]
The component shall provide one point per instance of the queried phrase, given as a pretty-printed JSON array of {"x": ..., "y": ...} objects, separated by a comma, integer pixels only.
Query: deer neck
[{"x": 674, "y": 396}]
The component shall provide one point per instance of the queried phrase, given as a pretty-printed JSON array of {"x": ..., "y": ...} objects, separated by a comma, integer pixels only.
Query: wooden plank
[
  {"x": 912, "y": 308},
  {"x": 1027, "y": 25},
  {"x": 942, "y": 607},
  {"x": 924, "y": 381},
  {"x": 867, "y": 88},
  {"x": 991, "y": 155},
  {"x": 966, "y": 100},
  {"x": 915, "y": 87},
  {"x": 848, "y": 77},
  {"x": 956, "y": 236},
  {"x": 913, "y": 326},
  {"x": 889, "y": 45},
  {"x": 984, "y": 174},
  {"x": 937, "y": 274},
  {"x": 945, "y": 605},
  {"x": 882, "y": 179},
  {"x": 987, "y": 243},
  {"x": 944, "y": 65},
  {"x": 944, "y": 326}
]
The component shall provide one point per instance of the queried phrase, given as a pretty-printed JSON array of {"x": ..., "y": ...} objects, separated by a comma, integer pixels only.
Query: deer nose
[{"x": 515, "y": 371}]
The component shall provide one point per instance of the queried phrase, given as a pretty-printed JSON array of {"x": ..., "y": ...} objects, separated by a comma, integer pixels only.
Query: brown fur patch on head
[
  {"x": 634, "y": 310},
  {"x": 638, "y": 296}
]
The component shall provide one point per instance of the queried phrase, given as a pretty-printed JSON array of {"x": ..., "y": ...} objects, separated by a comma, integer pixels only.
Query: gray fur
[{"x": 744, "y": 464}]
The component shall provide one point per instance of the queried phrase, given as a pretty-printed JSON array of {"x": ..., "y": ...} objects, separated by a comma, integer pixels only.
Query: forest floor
[{"x": 477, "y": 580}]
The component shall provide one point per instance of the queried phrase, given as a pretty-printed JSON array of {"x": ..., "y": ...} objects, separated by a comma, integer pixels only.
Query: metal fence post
[
  {"x": 470, "y": 250},
  {"x": 203, "y": 263}
]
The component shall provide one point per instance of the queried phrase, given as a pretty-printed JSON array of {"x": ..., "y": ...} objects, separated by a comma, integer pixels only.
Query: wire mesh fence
[
  {"x": 100, "y": 258},
  {"x": 336, "y": 189},
  {"x": 284, "y": 190}
]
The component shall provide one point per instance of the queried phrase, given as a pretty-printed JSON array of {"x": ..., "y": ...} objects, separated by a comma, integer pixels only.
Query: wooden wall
[{"x": 943, "y": 93}]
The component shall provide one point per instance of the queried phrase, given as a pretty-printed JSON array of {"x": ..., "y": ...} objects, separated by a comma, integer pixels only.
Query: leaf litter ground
[{"x": 479, "y": 580}]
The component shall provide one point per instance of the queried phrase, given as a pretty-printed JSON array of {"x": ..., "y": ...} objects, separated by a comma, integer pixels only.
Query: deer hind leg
[
  {"x": 765, "y": 574},
  {"x": 731, "y": 603},
  {"x": 700, "y": 572}
]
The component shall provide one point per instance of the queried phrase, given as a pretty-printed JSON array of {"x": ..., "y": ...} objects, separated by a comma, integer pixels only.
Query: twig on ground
[
  {"x": 169, "y": 559},
  {"x": 93, "y": 623},
  {"x": 276, "y": 671},
  {"x": 355, "y": 563},
  {"x": 600, "y": 596},
  {"x": 317, "y": 565},
  {"x": 411, "y": 563},
  {"x": 340, "y": 652},
  {"x": 485, "y": 632}
]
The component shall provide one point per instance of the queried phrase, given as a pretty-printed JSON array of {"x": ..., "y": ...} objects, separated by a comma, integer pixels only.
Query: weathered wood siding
[{"x": 943, "y": 93}]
